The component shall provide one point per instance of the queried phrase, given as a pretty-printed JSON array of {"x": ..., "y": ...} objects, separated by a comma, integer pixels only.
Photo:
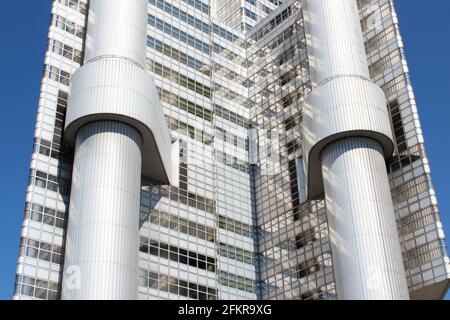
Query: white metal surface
[
  {"x": 116, "y": 89},
  {"x": 363, "y": 234},
  {"x": 347, "y": 137},
  {"x": 102, "y": 238},
  {"x": 117, "y": 28},
  {"x": 116, "y": 120},
  {"x": 339, "y": 108}
]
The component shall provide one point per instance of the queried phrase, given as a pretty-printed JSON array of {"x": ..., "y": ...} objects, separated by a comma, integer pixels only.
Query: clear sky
[{"x": 23, "y": 30}]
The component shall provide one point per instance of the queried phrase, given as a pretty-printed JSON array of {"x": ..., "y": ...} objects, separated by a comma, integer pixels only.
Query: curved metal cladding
[
  {"x": 117, "y": 28},
  {"x": 347, "y": 136},
  {"x": 116, "y": 122},
  {"x": 363, "y": 232},
  {"x": 102, "y": 238},
  {"x": 116, "y": 89}
]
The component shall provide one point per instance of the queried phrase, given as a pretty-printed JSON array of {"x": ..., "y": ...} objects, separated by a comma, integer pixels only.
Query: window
[
  {"x": 176, "y": 254},
  {"x": 176, "y": 286}
]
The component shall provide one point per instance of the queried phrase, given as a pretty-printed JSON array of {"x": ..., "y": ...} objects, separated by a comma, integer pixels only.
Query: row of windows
[
  {"x": 237, "y": 282},
  {"x": 53, "y": 148},
  {"x": 178, "y": 78},
  {"x": 45, "y": 215},
  {"x": 68, "y": 26},
  {"x": 178, "y": 55},
  {"x": 292, "y": 146},
  {"x": 50, "y": 149},
  {"x": 77, "y": 5},
  {"x": 66, "y": 51},
  {"x": 397, "y": 126},
  {"x": 224, "y": 33},
  {"x": 182, "y": 225},
  {"x": 189, "y": 131},
  {"x": 173, "y": 285},
  {"x": 191, "y": 40},
  {"x": 229, "y": 74},
  {"x": 60, "y": 117},
  {"x": 410, "y": 188},
  {"x": 300, "y": 241},
  {"x": 289, "y": 76},
  {"x": 250, "y": 14},
  {"x": 199, "y": 5},
  {"x": 229, "y": 94},
  {"x": 230, "y": 116},
  {"x": 189, "y": 199},
  {"x": 176, "y": 254},
  {"x": 231, "y": 161},
  {"x": 424, "y": 254},
  {"x": 381, "y": 13},
  {"x": 287, "y": 54},
  {"x": 395, "y": 85},
  {"x": 290, "y": 32},
  {"x": 230, "y": 13},
  {"x": 309, "y": 267},
  {"x": 36, "y": 288},
  {"x": 417, "y": 220},
  {"x": 380, "y": 39},
  {"x": 262, "y": 7},
  {"x": 306, "y": 238},
  {"x": 57, "y": 75},
  {"x": 191, "y": 20},
  {"x": 235, "y": 253},
  {"x": 282, "y": 16},
  {"x": 236, "y": 226},
  {"x": 293, "y": 121},
  {"x": 181, "y": 15},
  {"x": 184, "y": 104},
  {"x": 229, "y": 55},
  {"x": 385, "y": 63},
  {"x": 49, "y": 182},
  {"x": 205, "y": 114},
  {"x": 318, "y": 294},
  {"x": 297, "y": 95},
  {"x": 232, "y": 139},
  {"x": 41, "y": 250},
  {"x": 178, "y": 34}
]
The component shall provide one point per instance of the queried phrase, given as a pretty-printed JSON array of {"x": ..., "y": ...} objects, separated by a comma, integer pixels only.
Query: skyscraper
[{"x": 251, "y": 149}]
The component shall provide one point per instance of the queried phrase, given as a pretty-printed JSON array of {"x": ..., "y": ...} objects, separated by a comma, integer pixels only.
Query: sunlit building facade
[{"x": 252, "y": 213}]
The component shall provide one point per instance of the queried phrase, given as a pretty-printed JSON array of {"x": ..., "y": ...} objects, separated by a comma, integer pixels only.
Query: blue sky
[{"x": 24, "y": 26}]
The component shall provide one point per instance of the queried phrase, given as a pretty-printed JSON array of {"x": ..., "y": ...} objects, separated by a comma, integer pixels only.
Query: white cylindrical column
[
  {"x": 112, "y": 109},
  {"x": 366, "y": 251},
  {"x": 102, "y": 238},
  {"x": 336, "y": 43},
  {"x": 347, "y": 136},
  {"x": 117, "y": 28}
]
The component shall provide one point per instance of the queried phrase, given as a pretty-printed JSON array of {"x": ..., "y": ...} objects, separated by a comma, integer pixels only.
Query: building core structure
[{"x": 243, "y": 149}]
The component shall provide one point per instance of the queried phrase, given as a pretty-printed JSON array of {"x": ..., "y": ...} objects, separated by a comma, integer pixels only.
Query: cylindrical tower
[
  {"x": 347, "y": 139},
  {"x": 115, "y": 122},
  {"x": 102, "y": 240}
]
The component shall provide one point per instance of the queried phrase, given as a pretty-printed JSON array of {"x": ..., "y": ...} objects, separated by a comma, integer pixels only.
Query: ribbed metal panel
[
  {"x": 117, "y": 28},
  {"x": 342, "y": 107},
  {"x": 366, "y": 251},
  {"x": 335, "y": 40},
  {"x": 116, "y": 89},
  {"x": 115, "y": 118},
  {"x": 102, "y": 237},
  {"x": 347, "y": 132}
]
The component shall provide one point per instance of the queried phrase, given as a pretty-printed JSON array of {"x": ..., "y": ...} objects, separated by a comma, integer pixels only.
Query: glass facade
[{"x": 231, "y": 76}]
